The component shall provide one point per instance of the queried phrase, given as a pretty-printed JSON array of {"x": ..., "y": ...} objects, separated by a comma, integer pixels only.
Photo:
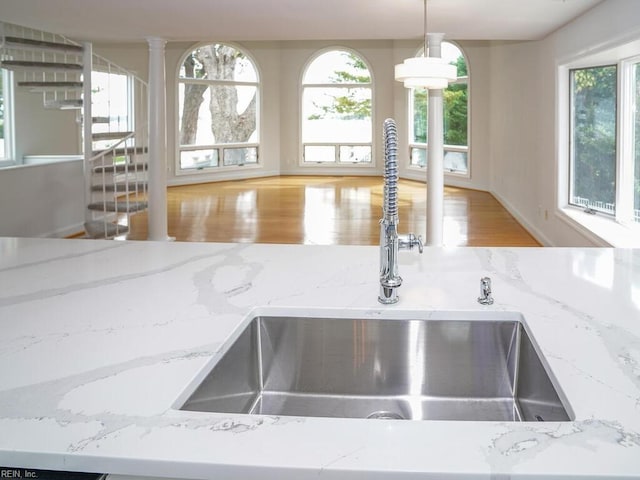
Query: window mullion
[{"x": 625, "y": 137}]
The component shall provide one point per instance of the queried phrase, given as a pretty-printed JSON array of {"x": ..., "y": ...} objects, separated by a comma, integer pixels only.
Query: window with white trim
[
  {"x": 112, "y": 100},
  {"x": 218, "y": 98},
  {"x": 604, "y": 140},
  {"x": 456, "y": 119},
  {"x": 337, "y": 94}
]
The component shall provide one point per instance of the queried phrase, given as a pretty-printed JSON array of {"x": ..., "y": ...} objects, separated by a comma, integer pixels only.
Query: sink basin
[{"x": 451, "y": 369}]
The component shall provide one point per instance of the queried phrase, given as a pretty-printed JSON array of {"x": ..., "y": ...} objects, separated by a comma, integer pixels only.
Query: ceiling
[{"x": 194, "y": 20}]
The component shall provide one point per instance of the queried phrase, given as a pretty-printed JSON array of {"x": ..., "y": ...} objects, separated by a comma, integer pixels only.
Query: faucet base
[{"x": 388, "y": 295}]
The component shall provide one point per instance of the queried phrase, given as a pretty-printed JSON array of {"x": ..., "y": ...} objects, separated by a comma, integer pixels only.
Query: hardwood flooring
[{"x": 326, "y": 211}]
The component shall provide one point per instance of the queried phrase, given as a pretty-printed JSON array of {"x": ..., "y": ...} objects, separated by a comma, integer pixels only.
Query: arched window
[
  {"x": 218, "y": 92},
  {"x": 456, "y": 121},
  {"x": 336, "y": 109}
]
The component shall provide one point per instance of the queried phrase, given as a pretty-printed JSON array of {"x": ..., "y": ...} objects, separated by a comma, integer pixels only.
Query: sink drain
[{"x": 384, "y": 415}]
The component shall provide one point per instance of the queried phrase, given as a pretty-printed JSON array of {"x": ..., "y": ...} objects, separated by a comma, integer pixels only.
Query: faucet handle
[
  {"x": 419, "y": 243},
  {"x": 408, "y": 241}
]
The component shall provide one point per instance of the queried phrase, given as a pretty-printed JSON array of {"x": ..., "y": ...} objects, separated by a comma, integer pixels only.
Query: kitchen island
[{"x": 100, "y": 339}]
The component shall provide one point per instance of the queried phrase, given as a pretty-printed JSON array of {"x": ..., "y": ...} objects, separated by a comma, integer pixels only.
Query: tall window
[
  {"x": 456, "y": 121},
  {"x": 605, "y": 140},
  {"x": 336, "y": 110},
  {"x": 5, "y": 118},
  {"x": 112, "y": 105},
  {"x": 218, "y": 108}
]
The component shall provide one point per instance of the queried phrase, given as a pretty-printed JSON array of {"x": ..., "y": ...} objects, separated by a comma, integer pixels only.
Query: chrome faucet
[{"x": 390, "y": 241}]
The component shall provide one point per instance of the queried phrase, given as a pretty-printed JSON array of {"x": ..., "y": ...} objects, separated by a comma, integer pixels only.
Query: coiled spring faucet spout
[{"x": 390, "y": 241}]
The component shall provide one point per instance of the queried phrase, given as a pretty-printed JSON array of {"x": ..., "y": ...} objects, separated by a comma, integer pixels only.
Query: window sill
[
  {"x": 39, "y": 160},
  {"x": 220, "y": 169},
  {"x": 337, "y": 164},
  {"x": 449, "y": 173},
  {"x": 604, "y": 231}
]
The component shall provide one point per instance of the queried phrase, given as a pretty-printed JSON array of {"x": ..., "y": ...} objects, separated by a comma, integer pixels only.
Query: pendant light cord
[{"x": 425, "y": 29}]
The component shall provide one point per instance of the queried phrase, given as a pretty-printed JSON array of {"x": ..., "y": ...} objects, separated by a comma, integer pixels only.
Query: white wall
[
  {"x": 524, "y": 153},
  {"x": 40, "y": 131},
  {"x": 42, "y": 200}
]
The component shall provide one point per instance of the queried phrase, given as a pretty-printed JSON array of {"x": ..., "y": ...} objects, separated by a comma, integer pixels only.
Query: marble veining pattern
[{"x": 101, "y": 338}]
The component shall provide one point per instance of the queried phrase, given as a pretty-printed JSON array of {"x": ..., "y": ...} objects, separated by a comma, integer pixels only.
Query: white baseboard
[
  {"x": 532, "y": 229},
  {"x": 65, "y": 231},
  {"x": 221, "y": 177}
]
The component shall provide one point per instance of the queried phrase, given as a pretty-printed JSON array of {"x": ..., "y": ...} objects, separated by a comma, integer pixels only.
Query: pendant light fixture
[{"x": 425, "y": 72}]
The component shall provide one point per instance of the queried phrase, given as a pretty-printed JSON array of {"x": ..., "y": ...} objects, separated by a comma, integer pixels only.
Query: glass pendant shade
[{"x": 425, "y": 72}]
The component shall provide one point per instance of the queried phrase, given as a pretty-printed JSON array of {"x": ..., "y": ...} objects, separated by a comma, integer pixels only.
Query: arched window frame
[
  {"x": 418, "y": 150},
  {"x": 252, "y": 148},
  {"x": 338, "y": 146}
]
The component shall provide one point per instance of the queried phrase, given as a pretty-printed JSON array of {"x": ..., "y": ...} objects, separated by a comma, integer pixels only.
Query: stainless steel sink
[{"x": 382, "y": 368}]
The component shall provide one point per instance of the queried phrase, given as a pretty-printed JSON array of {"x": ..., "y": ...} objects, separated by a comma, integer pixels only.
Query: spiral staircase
[{"x": 114, "y": 140}]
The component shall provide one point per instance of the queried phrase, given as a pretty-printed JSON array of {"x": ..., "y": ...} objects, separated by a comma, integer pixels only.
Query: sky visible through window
[{"x": 336, "y": 101}]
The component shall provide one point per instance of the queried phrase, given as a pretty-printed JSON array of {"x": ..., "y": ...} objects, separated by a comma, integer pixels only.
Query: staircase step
[
  {"x": 109, "y": 135},
  {"x": 64, "y": 104},
  {"x": 53, "y": 66},
  {"x": 122, "y": 151},
  {"x": 117, "y": 206},
  {"x": 48, "y": 86},
  {"x": 28, "y": 43},
  {"x": 121, "y": 168},
  {"x": 99, "y": 229},
  {"x": 122, "y": 187}
]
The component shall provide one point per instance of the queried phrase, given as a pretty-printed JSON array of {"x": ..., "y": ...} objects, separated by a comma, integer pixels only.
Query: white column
[
  {"x": 157, "y": 174},
  {"x": 435, "y": 155},
  {"x": 87, "y": 126}
]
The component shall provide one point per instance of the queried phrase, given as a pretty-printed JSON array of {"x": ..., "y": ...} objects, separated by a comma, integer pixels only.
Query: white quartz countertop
[{"x": 100, "y": 338}]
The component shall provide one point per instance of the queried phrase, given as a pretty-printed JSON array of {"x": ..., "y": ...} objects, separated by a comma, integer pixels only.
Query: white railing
[
  {"x": 116, "y": 151},
  {"x": 112, "y": 108},
  {"x": 603, "y": 207},
  {"x": 122, "y": 184},
  {"x": 40, "y": 49}
]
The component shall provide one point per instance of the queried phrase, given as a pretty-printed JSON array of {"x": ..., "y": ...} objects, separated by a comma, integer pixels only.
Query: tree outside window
[
  {"x": 455, "y": 113},
  {"x": 218, "y": 97},
  {"x": 604, "y": 139},
  {"x": 593, "y": 145}
]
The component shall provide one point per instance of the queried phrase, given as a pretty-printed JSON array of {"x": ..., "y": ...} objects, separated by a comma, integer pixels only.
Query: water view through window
[{"x": 336, "y": 109}]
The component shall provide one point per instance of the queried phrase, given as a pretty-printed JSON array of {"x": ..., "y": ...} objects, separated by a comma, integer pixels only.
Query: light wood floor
[{"x": 326, "y": 211}]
